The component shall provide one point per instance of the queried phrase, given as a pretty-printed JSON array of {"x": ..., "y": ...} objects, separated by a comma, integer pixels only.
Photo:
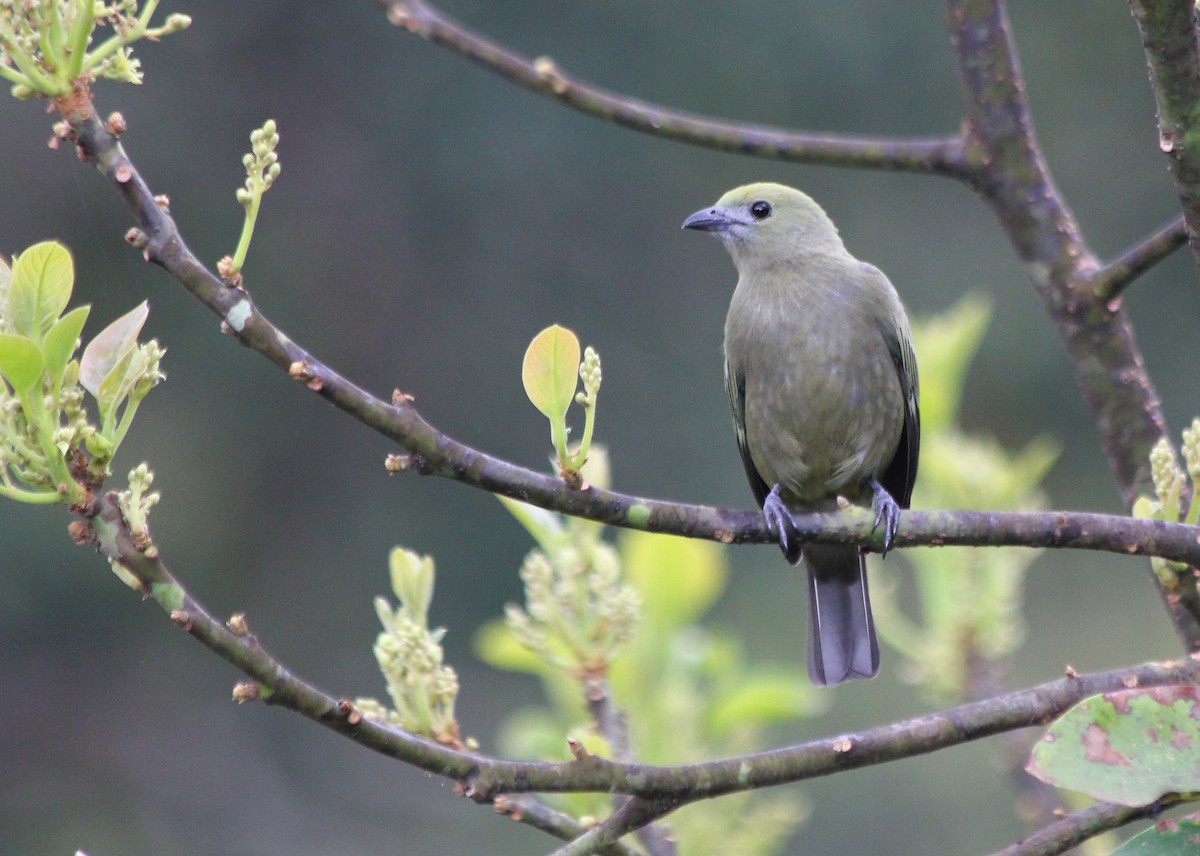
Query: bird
[{"x": 823, "y": 389}]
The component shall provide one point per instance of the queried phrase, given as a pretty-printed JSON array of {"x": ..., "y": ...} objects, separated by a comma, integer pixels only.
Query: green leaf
[
  {"x": 20, "y": 362},
  {"x": 1129, "y": 747},
  {"x": 117, "y": 385},
  {"x": 42, "y": 279},
  {"x": 546, "y": 527},
  {"x": 1166, "y": 838},
  {"x": 762, "y": 698},
  {"x": 5, "y": 279},
  {"x": 496, "y": 646},
  {"x": 111, "y": 345},
  {"x": 678, "y": 578},
  {"x": 550, "y": 371},
  {"x": 60, "y": 341},
  {"x": 950, "y": 341}
]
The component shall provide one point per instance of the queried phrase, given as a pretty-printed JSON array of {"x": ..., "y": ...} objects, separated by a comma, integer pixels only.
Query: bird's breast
[{"x": 823, "y": 404}]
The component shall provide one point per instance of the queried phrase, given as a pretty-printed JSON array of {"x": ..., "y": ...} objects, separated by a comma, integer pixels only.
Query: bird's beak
[{"x": 708, "y": 220}]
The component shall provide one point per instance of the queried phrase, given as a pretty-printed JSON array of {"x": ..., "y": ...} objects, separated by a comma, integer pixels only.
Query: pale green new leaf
[
  {"x": 42, "y": 279},
  {"x": 550, "y": 371},
  {"x": 20, "y": 362},
  {"x": 110, "y": 347},
  {"x": 60, "y": 341},
  {"x": 115, "y": 388},
  {"x": 5, "y": 279},
  {"x": 679, "y": 579}
]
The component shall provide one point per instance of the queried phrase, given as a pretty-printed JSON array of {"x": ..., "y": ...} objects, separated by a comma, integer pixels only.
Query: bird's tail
[{"x": 841, "y": 631}]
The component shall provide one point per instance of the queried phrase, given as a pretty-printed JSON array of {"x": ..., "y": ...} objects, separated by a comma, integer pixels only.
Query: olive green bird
[{"x": 822, "y": 382}]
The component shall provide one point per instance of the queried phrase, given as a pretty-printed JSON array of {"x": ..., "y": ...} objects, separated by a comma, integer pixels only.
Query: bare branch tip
[{"x": 578, "y": 751}]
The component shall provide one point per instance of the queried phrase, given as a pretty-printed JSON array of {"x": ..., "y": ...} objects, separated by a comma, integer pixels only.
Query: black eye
[{"x": 760, "y": 210}]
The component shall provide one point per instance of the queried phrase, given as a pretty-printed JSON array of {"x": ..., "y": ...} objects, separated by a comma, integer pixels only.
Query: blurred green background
[{"x": 429, "y": 220}]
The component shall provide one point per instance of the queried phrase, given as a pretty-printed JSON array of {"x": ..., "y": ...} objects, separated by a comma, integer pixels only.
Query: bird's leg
[
  {"x": 781, "y": 525},
  {"x": 886, "y": 510}
]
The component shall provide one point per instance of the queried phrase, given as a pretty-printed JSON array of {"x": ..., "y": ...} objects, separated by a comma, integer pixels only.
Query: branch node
[
  {"x": 137, "y": 239},
  {"x": 395, "y": 463},
  {"x": 578, "y": 750},
  {"x": 244, "y": 691},
  {"x": 81, "y": 532},
  {"x": 348, "y": 711},
  {"x": 237, "y": 625},
  {"x": 302, "y": 371},
  {"x": 399, "y": 14},
  {"x": 549, "y": 71},
  {"x": 115, "y": 124},
  {"x": 182, "y": 618},
  {"x": 843, "y": 745}
]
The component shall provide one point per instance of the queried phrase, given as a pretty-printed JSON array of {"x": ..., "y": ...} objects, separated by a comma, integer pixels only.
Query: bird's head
[{"x": 764, "y": 223}]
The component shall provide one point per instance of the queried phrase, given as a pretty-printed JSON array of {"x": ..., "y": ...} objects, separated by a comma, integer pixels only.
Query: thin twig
[
  {"x": 1073, "y": 829},
  {"x": 433, "y": 453},
  {"x": 281, "y": 687},
  {"x": 937, "y": 155},
  {"x": 632, "y": 815},
  {"x": 1111, "y": 280},
  {"x": 484, "y": 779},
  {"x": 1169, "y": 38},
  {"x": 614, "y": 728}
]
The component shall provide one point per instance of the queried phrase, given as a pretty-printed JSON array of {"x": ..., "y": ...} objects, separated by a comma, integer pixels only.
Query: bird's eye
[{"x": 760, "y": 210}]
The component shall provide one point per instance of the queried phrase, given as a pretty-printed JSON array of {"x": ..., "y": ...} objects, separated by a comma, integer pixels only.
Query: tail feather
[{"x": 841, "y": 631}]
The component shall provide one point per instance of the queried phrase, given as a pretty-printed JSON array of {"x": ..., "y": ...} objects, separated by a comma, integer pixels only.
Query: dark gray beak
[{"x": 707, "y": 220}]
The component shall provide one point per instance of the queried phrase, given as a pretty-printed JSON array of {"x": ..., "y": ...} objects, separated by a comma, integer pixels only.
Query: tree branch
[
  {"x": 998, "y": 155},
  {"x": 632, "y": 815},
  {"x": 484, "y": 779},
  {"x": 1111, "y": 280},
  {"x": 1073, "y": 829},
  {"x": 1169, "y": 37},
  {"x": 936, "y": 155},
  {"x": 433, "y": 453},
  {"x": 1097, "y": 334}
]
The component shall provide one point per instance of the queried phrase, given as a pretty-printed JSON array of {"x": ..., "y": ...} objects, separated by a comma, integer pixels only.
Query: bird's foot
[
  {"x": 780, "y": 524},
  {"x": 887, "y": 511}
]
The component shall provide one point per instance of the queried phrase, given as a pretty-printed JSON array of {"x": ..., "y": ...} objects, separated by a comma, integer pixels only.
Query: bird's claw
[
  {"x": 780, "y": 524},
  {"x": 887, "y": 511}
]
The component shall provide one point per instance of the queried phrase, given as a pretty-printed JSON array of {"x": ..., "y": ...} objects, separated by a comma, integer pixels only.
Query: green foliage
[
  {"x": 688, "y": 692},
  {"x": 262, "y": 168},
  {"x": 422, "y": 688},
  {"x": 578, "y": 612},
  {"x": 1166, "y": 838},
  {"x": 1170, "y": 485},
  {"x": 969, "y": 600},
  {"x": 42, "y": 416},
  {"x": 1129, "y": 747},
  {"x": 44, "y": 44},
  {"x": 550, "y": 372}
]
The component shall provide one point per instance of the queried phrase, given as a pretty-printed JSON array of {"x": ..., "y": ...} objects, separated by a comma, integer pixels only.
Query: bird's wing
[
  {"x": 901, "y": 472},
  {"x": 735, "y": 386}
]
